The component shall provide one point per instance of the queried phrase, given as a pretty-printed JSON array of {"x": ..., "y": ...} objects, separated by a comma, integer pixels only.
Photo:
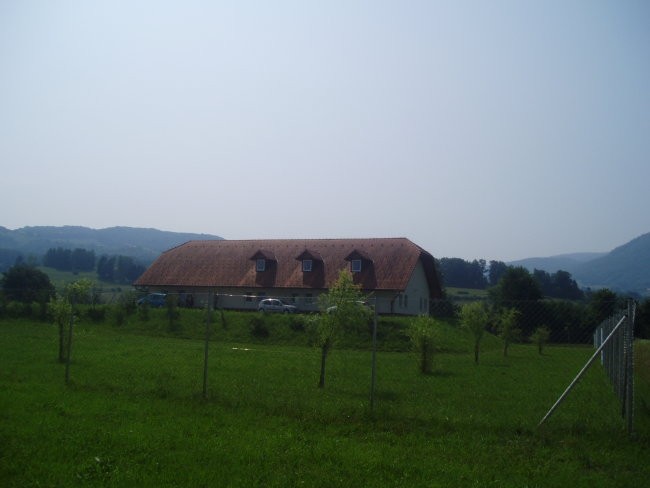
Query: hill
[
  {"x": 566, "y": 262},
  {"x": 624, "y": 269},
  {"x": 142, "y": 244}
]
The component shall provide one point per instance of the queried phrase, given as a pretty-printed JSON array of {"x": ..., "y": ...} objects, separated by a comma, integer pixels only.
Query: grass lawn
[{"x": 134, "y": 415}]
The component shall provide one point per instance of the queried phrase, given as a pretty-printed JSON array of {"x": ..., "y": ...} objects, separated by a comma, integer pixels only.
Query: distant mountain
[
  {"x": 144, "y": 245},
  {"x": 625, "y": 269},
  {"x": 565, "y": 262}
]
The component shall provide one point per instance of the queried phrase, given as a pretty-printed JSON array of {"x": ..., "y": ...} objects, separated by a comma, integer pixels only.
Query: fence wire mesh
[{"x": 182, "y": 346}]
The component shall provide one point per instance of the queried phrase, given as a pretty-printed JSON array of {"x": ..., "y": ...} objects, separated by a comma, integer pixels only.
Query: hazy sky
[{"x": 478, "y": 129}]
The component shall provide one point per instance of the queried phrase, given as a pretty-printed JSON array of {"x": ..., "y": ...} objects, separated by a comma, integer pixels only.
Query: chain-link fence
[{"x": 276, "y": 358}]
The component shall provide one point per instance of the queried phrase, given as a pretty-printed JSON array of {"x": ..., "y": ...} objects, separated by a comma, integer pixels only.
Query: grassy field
[
  {"x": 62, "y": 278},
  {"x": 465, "y": 294},
  {"x": 134, "y": 415}
]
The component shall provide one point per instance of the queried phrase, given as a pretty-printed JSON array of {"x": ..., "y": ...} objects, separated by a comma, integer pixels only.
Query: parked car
[
  {"x": 153, "y": 300},
  {"x": 275, "y": 305}
]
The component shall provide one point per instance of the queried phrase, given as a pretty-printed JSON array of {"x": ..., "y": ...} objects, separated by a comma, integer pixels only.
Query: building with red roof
[{"x": 400, "y": 275}]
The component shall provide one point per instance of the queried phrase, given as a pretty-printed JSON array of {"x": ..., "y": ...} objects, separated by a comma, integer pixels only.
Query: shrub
[
  {"x": 96, "y": 314},
  {"x": 143, "y": 312},
  {"x": 258, "y": 327},
  {"x": 297, "y": 324},
  {"x": 119, "y": 315},
  {"x": 18, "y": 309},
  {"x": 173, "y": 315}
]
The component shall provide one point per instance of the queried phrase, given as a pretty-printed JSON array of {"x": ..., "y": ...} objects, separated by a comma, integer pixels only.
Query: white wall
[{"x": 415, "y": 299}]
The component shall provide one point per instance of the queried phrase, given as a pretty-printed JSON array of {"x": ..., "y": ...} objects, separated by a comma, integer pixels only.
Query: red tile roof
[{"x": 388, "y": 264}]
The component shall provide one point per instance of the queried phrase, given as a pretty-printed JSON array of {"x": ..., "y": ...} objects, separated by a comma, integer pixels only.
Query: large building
[{"x": 400, "y": 275}]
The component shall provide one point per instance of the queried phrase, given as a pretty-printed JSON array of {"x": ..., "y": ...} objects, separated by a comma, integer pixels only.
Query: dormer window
[
  {"x": 264, "y": 261},
  {"x": 311, "y": 261},
  {"x": 359, "y": 259}
]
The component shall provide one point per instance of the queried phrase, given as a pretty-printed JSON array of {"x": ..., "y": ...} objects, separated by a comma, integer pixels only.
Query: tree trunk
[
  {"x": 61, "y": 344},
  {"x": 323, "y": 358},
  {"x": 476, "y": 353}
]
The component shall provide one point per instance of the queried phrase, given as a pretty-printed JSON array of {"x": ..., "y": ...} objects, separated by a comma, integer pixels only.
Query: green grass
[
  {"x": 469, "y": 294},
  {"x": 62, "y": 278},
  {"x": 134, "y": 415}
]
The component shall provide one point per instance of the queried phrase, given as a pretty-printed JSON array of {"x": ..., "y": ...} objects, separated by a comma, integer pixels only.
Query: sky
[{"x": 477, "y": 129}]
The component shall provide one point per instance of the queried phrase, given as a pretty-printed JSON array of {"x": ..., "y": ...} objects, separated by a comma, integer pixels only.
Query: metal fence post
[
  {"x": 629, "y": 367},
  {"x": 69, "y": 349},
  {"x": 373, "y": 374},
  {"x": 208, "y": 320}
]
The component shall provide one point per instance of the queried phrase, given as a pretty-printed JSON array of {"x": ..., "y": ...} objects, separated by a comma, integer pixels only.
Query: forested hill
[
  {"x": 142, "y": 244},
  {"x": 626, "y": 268}
]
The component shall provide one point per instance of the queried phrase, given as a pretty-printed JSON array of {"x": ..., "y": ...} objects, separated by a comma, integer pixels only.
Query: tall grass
[{"x": 134, "y": 415}]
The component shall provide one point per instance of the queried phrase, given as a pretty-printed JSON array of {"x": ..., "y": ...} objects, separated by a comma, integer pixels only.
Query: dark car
[{"x": 153, "y": 300}]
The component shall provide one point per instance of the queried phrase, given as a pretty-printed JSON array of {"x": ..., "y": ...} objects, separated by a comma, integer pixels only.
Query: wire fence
[
  {"x": 227, "y": 350},
  {"x": 617, "y": 357}
]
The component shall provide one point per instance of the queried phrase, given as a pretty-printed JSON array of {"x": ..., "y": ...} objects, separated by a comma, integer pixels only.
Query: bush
[
  {"x": 96, "y": 314},
  {"x": 258, "y": 327},
  {"x": 297, "y": 324},
  {"x": 173, "y": 315},
  {"x": 119, "y": 315},
  {"x": 18, "y": 309},
  {"x": 143, "y": 312},
  {"x": 38, "y": 310}
]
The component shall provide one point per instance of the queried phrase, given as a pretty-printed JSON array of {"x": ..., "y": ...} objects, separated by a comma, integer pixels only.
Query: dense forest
[{"x": 114, "y": 269}]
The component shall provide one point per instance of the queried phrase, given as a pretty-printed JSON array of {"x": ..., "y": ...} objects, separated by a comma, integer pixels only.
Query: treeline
[
  {"x": 69, "y": 259},
  {"x": 118, "y": 269},
  {"x": 478, "y": 274},
  {"x": 115, "y": 269}
]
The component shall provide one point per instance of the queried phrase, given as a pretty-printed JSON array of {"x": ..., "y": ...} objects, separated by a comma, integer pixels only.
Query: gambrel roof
[{"x": 388, "y": 264}]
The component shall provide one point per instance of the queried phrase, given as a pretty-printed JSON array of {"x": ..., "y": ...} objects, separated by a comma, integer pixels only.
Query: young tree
[
  {"x": 62, "y": 309},
  {"x": 540, "y": 337},
  {"x": 474, "y": 316},
  {"x": 341, "y": 307},
  {"x": 424, "y": 332},
  {"x": 507, "y": 327}
]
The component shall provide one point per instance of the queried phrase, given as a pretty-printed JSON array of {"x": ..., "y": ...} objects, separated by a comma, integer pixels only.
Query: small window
[
  {"x": 309, "y": 298},
  {"x": 356, "y": 265},
  {"x": 249, "y": 296},
  {"x": 400, "y": 300},
  {"x": 261, "y": 295},
  {"x": 306, "y": 264},
  {"x": 260, "y": 265},
  {"x": 293, "y": 297}
]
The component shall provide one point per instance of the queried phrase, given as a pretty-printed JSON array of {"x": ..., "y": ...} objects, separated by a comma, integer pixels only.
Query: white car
[{"x": 275, "y": 305}]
